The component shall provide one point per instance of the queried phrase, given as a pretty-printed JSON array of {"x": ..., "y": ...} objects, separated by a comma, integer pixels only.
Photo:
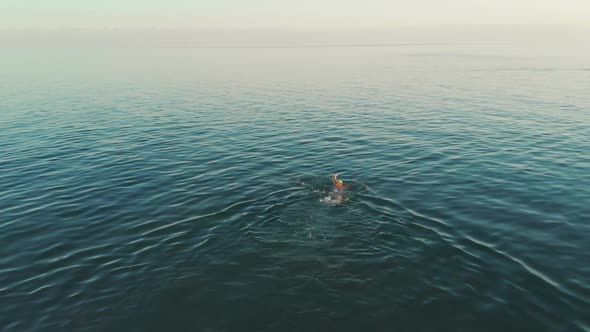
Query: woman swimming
[
  {"x": 338, "y": 195},
  {"x": 338, "y": 184}
]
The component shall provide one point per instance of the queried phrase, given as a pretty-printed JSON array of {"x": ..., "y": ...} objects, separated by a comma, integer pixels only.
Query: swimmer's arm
[{"x": 335, "y": 179}]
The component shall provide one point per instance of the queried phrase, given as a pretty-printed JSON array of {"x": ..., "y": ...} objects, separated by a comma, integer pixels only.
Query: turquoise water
[{"x": 181, "y": 189}]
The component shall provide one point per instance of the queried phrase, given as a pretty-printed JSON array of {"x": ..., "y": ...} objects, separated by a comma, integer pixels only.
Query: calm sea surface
[{"x": 181, "y": 189}]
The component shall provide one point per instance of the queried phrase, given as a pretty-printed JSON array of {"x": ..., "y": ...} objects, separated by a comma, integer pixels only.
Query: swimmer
[
  {"x": 337, "y": 196},
  {"x": 338, "y": 184}
]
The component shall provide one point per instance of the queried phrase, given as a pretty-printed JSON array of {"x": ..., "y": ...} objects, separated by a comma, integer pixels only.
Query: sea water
[{"x": 181, "y": 189}]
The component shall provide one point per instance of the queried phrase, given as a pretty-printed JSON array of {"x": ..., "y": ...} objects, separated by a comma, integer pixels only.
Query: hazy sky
[{"x": 299, "y": 14}]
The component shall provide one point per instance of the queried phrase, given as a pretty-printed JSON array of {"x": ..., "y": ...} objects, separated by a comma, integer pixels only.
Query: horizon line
[{"x": 299, "y": 29}]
